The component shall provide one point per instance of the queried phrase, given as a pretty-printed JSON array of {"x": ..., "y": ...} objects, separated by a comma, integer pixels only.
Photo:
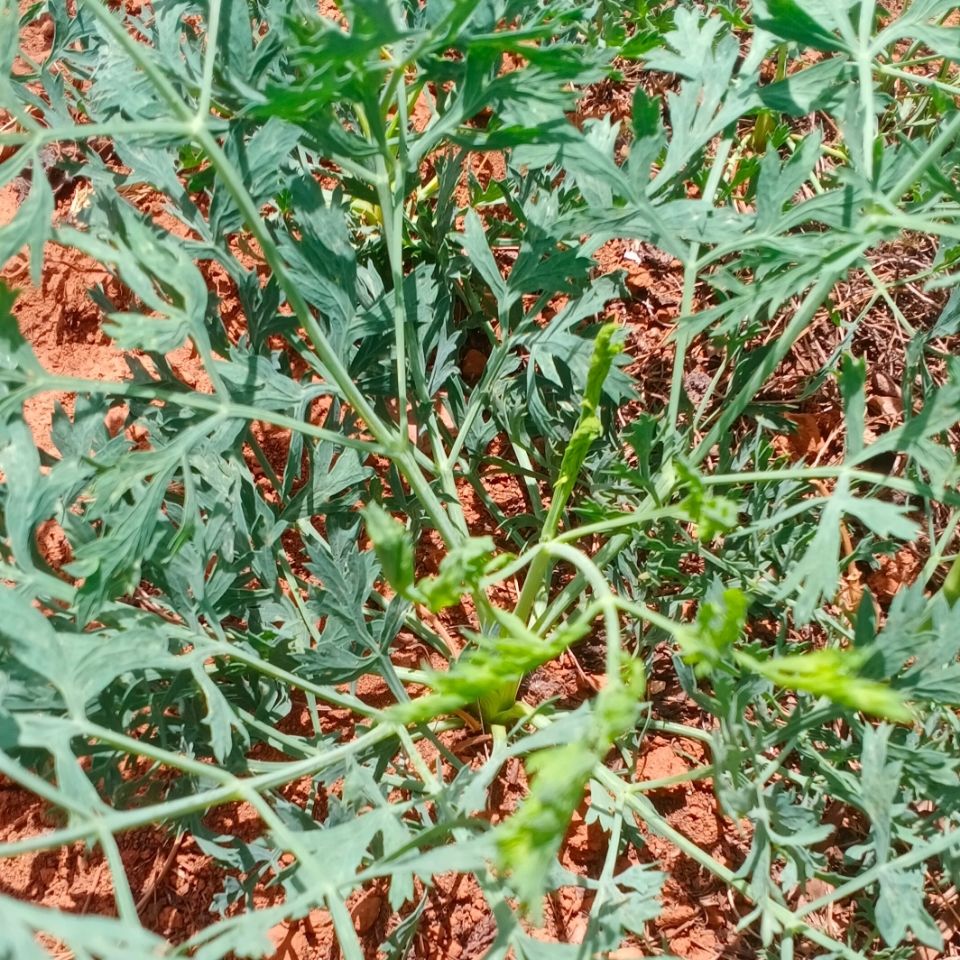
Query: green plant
[{"x": 212, "y": 588}]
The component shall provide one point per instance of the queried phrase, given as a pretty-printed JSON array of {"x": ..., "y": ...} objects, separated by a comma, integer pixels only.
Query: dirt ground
[{"x": 175, "y": 883}]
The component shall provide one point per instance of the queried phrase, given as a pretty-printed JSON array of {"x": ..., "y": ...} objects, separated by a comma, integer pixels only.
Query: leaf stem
[
  {"x": 120, "y": 821},
  {"x": 912, "y": 858},
  {"x": 864, "y": 62},
  {"x": 393, "y": 442},
  {"x": 734, "y": 407},
  {"x": 137, "y": 53},
  {"x": 790, "y": 920},
  {"x": 209, "y": 60},
  {"x": 87, "y": 131}
]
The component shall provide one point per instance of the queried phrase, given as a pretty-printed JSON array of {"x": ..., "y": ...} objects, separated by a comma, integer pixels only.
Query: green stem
[
  {"x": 926, "y": 159},
  {"x": 196, "y": 124},
  {"x": 659, "y": 825},
  {"x": 636, "y": 518},
  {"x": 391, "y": 198},
  {"x": 137, "y": 52},
  {"x": 392, "y": 441},
  {"x": 571, "y": 592},
  {"x": 864, "y": 61},
  {"x": 325, "y": 694},
  {"x": 119, "y": 821},
  {"x": 194, "y": 401},
  {"x": 324, "y": 891},
  {"x": 951, "y": 585},
  {"x": 338, "y": 373},
  {"x": 916, "y": 856},
  {"x": 532, "y": 584},
  {"x": 209, "y": 60},
  {"x": 586, "y": 431},
  {"x": 393, "y": 236},
  {"x": 122, "y": 894},
  {"x": 949, "y": 88},
  {"x": 88, "y": 131},
  {"x": 691, "y": 270},
  {"x": 295, "y": 747},
  {"x": 734, "y": 408},
  {"x": 939, "y": 548},
  {"x": 688, "y": 776},
  {"x": 41, "y": 788},
  {"x": 627, "y": 795}
]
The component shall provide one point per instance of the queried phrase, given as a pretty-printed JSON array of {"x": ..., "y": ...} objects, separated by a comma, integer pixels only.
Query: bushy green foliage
[{"x": 318, "y": 165}]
